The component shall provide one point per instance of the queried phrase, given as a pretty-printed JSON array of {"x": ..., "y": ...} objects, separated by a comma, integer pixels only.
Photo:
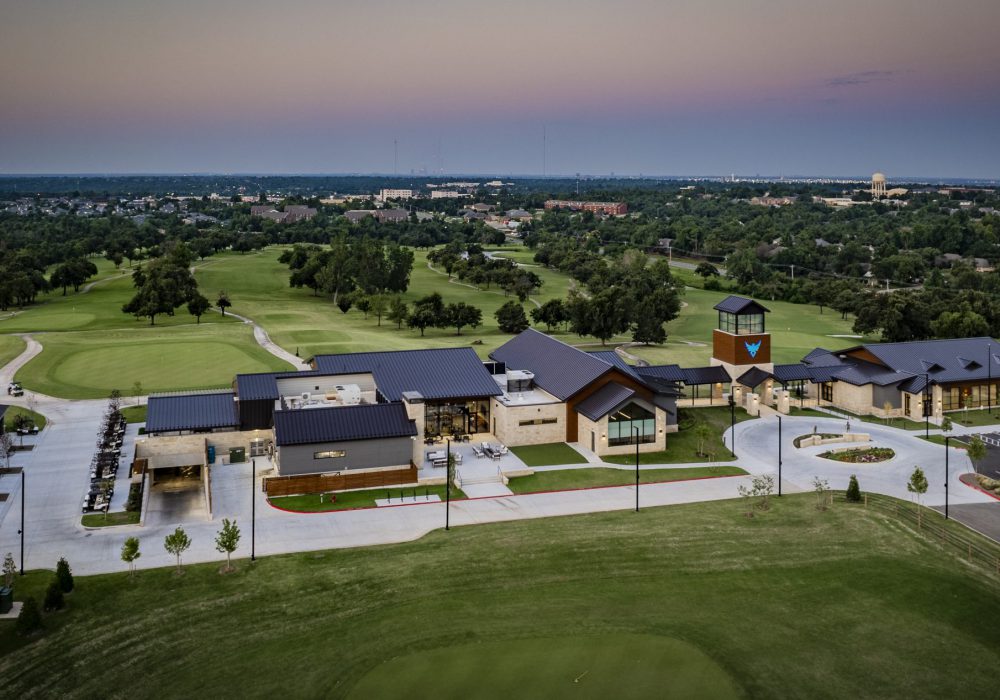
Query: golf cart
[{"x": 14, "y": 389}]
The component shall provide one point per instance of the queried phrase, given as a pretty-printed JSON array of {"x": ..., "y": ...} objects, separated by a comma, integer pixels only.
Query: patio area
[{"x": 473, "y": 462}]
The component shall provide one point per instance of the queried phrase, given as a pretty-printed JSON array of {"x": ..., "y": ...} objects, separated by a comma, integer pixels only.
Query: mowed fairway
[
  {"x": 616, "y": 665},
  {"x": 10, "y": 347},
  {"x": 300, "y": 321},
  {"x": 89, "y": 364},
  {"x": 795, "y": 602}
]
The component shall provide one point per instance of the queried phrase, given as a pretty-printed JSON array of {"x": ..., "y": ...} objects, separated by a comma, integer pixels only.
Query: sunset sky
[{"x": 659, "y": 87}]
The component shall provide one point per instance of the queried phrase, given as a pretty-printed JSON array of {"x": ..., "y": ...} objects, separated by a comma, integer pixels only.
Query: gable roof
[
  {"x": 559, "y": 369},
  {"x": 342, "y": 424},
  {"x": 949, "y": 360},
  {"x": 201, "y": 411},
  {"x": 604, "y": 400},
  {"x": 739, "y": 305},
  {"x": 753, "y": 377},
  {"x": 440, "y": 373},
  {"x": 616, "y": 360}
]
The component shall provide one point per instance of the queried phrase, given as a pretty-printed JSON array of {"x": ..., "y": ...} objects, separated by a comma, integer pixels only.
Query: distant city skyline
[{"x": 712, "y": 87}]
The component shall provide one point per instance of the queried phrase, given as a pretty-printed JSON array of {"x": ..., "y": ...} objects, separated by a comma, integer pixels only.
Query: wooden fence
[{"x": 323, "y": 483}]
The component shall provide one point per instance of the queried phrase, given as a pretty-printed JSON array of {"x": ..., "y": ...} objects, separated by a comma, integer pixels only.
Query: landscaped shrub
[
  {"x": 862, "y": 455},
  {"x": 64, "y": 576},
  {"x": 30, "y": 618},
  {"x": 853, "y": 490},
  {"x": 134, "y": 501},
  {"x": 54, "y": 597}
]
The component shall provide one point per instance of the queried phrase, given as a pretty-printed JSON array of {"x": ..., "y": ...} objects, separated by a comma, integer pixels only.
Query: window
[
  {"x": 329, "y": 454},
  {"x": 538, "y": 421},
  {"x": 622, "y": 425},
  {"x": 826, "y": 391}
]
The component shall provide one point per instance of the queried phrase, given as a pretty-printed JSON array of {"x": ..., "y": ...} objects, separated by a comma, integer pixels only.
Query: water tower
[{"x": 878, "y": 186}]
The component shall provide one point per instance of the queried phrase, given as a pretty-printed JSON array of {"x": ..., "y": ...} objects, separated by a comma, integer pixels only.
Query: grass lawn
[
  {"x": 903, "y": 423},
  {"x": 88, "y": 365},
  {"x": 683, "y": 446},
  {"x": 977, "y": 417},
  {"x": 854, "y": 608},
  {"x": 13, "y": 411},
  {"x": 807, "y": 413},
  {"x": 100, "y": 520},
  {"x": 939, "y": 440},
  {"x": 135, "y": 414},
  {"x": 582, "y": 667},
  {"x": 590, "y": 477},
  {"x": 10, "y": 347},
  {"x": 345, "y": 500},
  {"x": 545, "y": 455},
  {"x": 795, "y": 330}
]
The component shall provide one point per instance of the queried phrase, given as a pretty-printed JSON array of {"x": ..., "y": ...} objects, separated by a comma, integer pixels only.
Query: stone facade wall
[
  {"x": 600, "y": 429},
  {"x": 509, "y": 431}
]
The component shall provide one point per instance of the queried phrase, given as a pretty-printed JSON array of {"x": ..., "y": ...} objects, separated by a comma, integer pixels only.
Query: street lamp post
[
  {"x": 635, "y": 431},
  {"x": 946, "y": 450},
  {"x": 927, "y": 406},
  {"x": 779, "y": 455},
  {"x": 253, "y": 510},
  {"x": 21, "y": 531},
  {"x": 447, "y": 485},
  {"x": 732, "y": 424}
]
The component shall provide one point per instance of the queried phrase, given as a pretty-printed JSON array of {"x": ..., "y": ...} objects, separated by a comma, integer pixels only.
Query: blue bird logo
[{"x": 752, "y": 348}]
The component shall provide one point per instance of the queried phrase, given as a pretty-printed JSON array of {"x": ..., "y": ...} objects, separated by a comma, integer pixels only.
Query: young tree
[
  {"x": 887, "y": 409},
  {"x": 198, "y": 306},
  {"x": 378, "y": 305},
  {"x": 130, "y": 552},
  {"x": 422, "y": 317},
  {"x": 702, "y": 433},
  {"x": 399, "y": 311},
  {"x": 822, "y": 489},
  {"x": 9, "y": 570},
  {"x": 946, "y": 425},
  {"x": 177, "y": 543},
  {"x": 64, "y": 576},
  {"x": 137, "y": 391},
  {"x": 227, "y": 540},
  {"x": 976, "y": 449},
  {"x": 30, "y": 618},
  {"x": 917, "y": 485},
  {"x": 511, "y": 317},
  {"x": 745, "y": 496},
  {"x": 223, "y": 302},
  {"x": 853, "y": 490},
  {"x": 763, "y": 487},
  {"x": 54, "y": 599}
]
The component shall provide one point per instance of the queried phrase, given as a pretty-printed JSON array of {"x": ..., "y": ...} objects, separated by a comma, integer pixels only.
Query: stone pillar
[{"x": 782, "y": 404}]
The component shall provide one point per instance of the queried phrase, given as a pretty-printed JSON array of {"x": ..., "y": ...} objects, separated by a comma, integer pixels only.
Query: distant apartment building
[
  {"x": 386, "y": 195},
  {"x": 383, "y": 216},
  {"x": 608, "y": 208},
  {"x": 292, "y": 213},
  {"x": 448, "y": 194},
  {"x": 768, "y": 201}
]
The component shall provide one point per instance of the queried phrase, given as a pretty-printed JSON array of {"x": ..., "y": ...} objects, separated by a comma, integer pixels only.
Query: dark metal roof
[
  {"x": 952, "y": 360},
  {"x": 255, "y": 387},
  {"x": 440, "y": 373},
  {"x": 740, "y": 305},
  {"x": 342, "y": 424},
  {"x": 559, "y": 369},
  {"x": 867, "y": 373},
  {"x": 705, "y": 375},
  {"x": 613, "y": 358},
  {"x": 191, "y": 412},
  {"x": 604, "y": 400},
  {"x": 670, "y": 373},
  {"x": 753, "y": 377},
  {"x": 791, "y": 373}
]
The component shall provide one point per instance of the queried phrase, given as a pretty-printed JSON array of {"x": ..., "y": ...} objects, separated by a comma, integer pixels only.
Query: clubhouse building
[{"x": 364, "y": 419}]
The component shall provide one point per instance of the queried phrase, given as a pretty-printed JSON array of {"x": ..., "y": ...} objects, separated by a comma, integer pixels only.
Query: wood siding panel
[
  {"x": 614, "y": 375},
  {"x": 731, "y": 349},
  {"x": 321, "y": 483}
]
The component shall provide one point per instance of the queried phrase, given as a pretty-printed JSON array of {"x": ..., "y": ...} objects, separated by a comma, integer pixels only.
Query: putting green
[
  {"x": 619, "y": 666},
  {"x": 90, "y": 364}
]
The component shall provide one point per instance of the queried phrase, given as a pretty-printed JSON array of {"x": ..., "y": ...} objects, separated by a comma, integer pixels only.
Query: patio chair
[
  {"x": 458, "y": 457},
  {"x": 478, "y": 451},
  {"x": 503, "y": 450}
]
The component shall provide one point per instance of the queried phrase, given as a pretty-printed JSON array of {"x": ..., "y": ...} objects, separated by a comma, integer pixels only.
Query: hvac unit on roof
[{"x": 306, "y": 396}]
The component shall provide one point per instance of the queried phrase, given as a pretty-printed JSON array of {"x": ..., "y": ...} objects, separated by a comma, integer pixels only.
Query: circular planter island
[{"x": 859, "y": 455}]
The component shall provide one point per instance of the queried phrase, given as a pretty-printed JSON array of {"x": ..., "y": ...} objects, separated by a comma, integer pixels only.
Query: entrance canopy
[{"x": 754, "y": 377}]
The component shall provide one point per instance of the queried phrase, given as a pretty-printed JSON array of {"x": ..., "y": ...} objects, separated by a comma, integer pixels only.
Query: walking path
[{"x": 264, "y": 340}]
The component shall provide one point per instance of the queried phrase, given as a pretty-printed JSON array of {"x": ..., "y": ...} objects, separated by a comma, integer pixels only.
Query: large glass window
[
  {"x": 741, "y": 324},
  {"x": 623, "y": 422},
  {"x": 459, "y": 418},
  {"x": 955, "y": 398},
  {"x": 826, "y": 391}
]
